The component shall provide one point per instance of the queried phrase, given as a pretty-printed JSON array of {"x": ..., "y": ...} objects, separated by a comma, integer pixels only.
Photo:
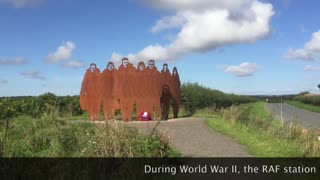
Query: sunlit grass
[{"x": 304, "y": 106}]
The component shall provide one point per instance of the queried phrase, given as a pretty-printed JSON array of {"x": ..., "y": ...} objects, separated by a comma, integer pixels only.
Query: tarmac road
[
  {"x": 194, "y": 138},
  {"x": 191, "y": 136},
  {"x": 290, "y": 113}
]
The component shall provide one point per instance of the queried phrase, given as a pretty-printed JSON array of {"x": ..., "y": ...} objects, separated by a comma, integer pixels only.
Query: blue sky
[{"x": 243, "y": 47}]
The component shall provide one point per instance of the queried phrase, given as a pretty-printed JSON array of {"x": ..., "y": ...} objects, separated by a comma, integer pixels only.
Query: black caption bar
[{"x": 159, "y": 168}]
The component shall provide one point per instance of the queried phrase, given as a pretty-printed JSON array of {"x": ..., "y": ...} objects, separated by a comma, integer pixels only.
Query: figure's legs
[
  {"x": 166, "y": 110},
  {"x": 175, "y": 108},
  {"x": 108, "y": 108},
  {"x": 124, "y": 111},
  {"x": 91, "y": 115},
  {"x": 130, "y": 104},
  {"x": 149, "y": 106},
  {"x": 157, "y": 107},
  {"x": 96, "y": 105}
]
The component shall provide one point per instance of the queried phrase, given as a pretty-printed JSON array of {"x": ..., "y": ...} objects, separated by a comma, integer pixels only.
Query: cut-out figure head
[
  {"x": 110, "y": 66},
  {"x": 125, "y": 62},
  {"x": 141, "y": 66},
  {"x": 151, "y": 64},
  {"x": 165, "y": 67},
  {"x": 175, "y": 72},
  {"x": 93, "y": 67}
]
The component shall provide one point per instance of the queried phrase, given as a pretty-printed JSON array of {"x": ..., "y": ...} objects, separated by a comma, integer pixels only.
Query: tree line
[
  {"x": 37, "y": 106},
  {"x": 193, "y": 97},
  {"x": 307, "y": 98}
]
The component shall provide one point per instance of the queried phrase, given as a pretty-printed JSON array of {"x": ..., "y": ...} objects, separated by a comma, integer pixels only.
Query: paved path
[
  {"x": 193, "y": 138},
  {"x": 290, "y": 113}
]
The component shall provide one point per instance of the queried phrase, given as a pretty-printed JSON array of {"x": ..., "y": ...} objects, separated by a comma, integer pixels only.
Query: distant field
[{"x": 304, "y": 106}]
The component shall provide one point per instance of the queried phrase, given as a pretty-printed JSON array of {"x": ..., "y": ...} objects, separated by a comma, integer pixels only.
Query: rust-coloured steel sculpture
[
  {"x": 154, "y": 89},
  {"x": 90, "y": 98},
  {"x": 142, "y": 89},
  {"x": 175, "y": 89},
  {"x": 166, "y": 96},
  {"x": 146, "y": 87},
  {"x": 125, "y": 88},
  {"x": 106, "y": 89}
]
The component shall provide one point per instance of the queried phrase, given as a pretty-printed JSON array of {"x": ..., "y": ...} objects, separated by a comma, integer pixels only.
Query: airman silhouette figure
[
  {"x": 142, "y": 88},
  {"x": 90, "y": 98},
  {"x": 175, "y": 89},
  {"x": 107, "y": 94},
  {"x": 124, "y": 88},
  {"x": 154, "y": 89},
  {"x": 166, "y": 94}
]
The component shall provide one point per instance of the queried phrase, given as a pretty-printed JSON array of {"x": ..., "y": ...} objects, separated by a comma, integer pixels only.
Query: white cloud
[
  {"x": 206, "y": 25},
  {"x": 21, "y": 3},
  {"x": 311, "y": 68},
  {"x": 243, "y": 70},
  {"x": 74, "y": 64},
  {"x": 310, "y": 52},
  {"x": 16, "y": 61},
  {"x": 168, "y": 22},
  {"x": 33, "y": 75},
  {"x": 63, "y": 52}
]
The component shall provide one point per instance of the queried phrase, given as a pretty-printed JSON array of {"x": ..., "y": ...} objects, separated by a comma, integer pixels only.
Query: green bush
[
  {"x": 36, "y": 107},
  {"x": 313, "y": 100},
  {"x": 195, "y": 97}
]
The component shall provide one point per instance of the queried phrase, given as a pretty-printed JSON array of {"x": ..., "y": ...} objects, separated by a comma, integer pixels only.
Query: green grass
[
  {"x": 257, "y": 110},
  {"x": 256, "y": 142},
  {"x": 52, "y": 137},
  {"x": 84, "y": 116},
  {"x": 261, "y": 134},
  {"x": 304, "y": 106}
]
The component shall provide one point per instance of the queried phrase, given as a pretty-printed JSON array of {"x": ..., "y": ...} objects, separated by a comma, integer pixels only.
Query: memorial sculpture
[
  {"x": 142, "y": 89},
  {"x": 125, "y": 88},
  {"x": 106, "y": 90},
  {"x": 175, "y": 87},
  {"x": 90, "y": 98},
  {"x": 154, "y": 89},
  {"x": 166, "y": 95},
  {"x": 150, "y": 90}
]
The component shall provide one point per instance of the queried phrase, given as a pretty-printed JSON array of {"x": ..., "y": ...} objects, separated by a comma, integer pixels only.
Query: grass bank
[
  {"x": 301, "y": 105},
  {"x": 262, "y": 135},
  {"x": 52, "y": 137}
]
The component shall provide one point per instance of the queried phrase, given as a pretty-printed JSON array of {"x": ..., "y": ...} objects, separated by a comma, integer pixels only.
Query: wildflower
[{"x": 304, "y": 131}]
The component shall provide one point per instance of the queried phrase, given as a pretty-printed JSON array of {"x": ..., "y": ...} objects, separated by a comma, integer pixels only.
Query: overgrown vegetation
[
  {"x": 47, "y": 103},
  {"x": 301, "y": 105},
  {"x": 195, "y": 97},
  {"x": 50, "y": 137},
  {"x": 263, "y": 136},
  {"x": 308, "y": 99}
]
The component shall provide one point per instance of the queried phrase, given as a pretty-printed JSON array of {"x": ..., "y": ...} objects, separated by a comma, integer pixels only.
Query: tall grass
[
  {"x": 51, "y": 137},
  {"x": 302, "y": 105},
  {"x": 313, "y": 99},
  {"x": 307, "y": 140}
]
